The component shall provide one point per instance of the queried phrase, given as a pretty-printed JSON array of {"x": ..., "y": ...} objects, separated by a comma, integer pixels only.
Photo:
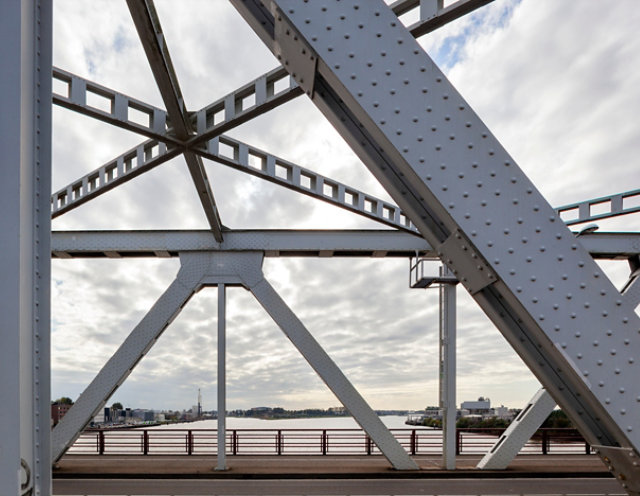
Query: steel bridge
[{"x": 459, "y": 198}]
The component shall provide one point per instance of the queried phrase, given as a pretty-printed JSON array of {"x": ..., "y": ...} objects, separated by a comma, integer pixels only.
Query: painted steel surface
[
  {"x": 465, "y": 194},
  {"x": 519, "y": 432},
  {"x": 25, "y": 142}
]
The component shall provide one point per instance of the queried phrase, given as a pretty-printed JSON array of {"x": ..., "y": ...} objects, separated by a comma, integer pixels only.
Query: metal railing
[{"x": 310, "y": 442}]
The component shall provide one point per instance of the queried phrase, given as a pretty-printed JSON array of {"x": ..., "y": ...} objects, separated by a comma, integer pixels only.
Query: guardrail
[{"x": 309, "y": 442}]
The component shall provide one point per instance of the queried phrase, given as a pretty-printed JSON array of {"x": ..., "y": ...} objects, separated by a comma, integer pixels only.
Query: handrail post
[
  {"x": 234, "y": 442},
  {"x": 369, "y": 443},
  {"x": 101, "y": 442},
  {"x": 189, "y": 442},
  {"x": 414, "y": 437},
  {"x": 587, "y": 448},
  {"x": 279, "y": 442},
  {"x": 145, "y": 442},
  {"x": 324, "y": 441},
  {"x": 545, "y": 442},
  {"x": 458, "y": 441}
]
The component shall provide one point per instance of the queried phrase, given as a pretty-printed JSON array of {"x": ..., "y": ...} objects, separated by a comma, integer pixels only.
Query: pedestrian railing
[{"x": 309, "y": 442}]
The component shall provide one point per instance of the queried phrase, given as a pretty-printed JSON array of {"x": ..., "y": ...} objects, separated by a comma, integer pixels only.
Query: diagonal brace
[
  {"x": 149, "y": 30},
  {"x": 124, "y": 360}
]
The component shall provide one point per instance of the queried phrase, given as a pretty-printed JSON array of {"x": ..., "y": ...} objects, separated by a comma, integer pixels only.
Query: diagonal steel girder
[
  {"x": 150, "y": 32},
  {"x": 470, "y": 200}
]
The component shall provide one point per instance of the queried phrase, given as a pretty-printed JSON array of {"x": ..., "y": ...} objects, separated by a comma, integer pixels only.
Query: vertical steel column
[
  {"x": 222, "y": 378},
  {"x": 25, "y": 141},
  {"x": 448, "y": 368}
]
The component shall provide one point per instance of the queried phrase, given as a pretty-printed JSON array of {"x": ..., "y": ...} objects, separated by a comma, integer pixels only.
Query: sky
[{"x": 555, "y": 81}]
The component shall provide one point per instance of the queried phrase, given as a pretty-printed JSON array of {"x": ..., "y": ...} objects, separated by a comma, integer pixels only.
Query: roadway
[{"x": 285, "y": 487}]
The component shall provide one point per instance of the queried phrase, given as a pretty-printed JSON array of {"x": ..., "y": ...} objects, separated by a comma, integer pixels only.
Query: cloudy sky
[{"x": 555, "y": 80}]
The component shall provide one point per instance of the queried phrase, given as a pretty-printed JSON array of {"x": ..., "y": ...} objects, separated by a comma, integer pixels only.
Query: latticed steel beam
[
  {"x": 469, "y": 199},
  {"x": 216, "y": 118},
  {"x": 121, "y": 169},
  {"x": 243, "y": 157},
  {"x": 147, "y": 24},
  {"x": 600, "y": 208},
  {"x": 88, "y": 98}
]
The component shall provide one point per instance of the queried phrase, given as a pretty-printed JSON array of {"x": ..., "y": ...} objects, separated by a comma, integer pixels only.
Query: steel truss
[
  {"x": 440, "y": 177},
  {"x": 205, "y": 269},
  {"x": 454, "y": 185}
]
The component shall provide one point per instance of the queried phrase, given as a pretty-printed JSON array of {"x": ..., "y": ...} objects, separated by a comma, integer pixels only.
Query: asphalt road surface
[{"x": 316, "y": 487}]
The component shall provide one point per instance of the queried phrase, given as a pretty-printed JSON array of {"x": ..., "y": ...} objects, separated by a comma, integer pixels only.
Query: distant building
[
  {"x": 481, "y": 407},
  {"x": 58, "y": 410}
]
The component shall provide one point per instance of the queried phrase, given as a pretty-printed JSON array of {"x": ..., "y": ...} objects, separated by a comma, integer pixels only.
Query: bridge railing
[{"x": 309, "y": 442}]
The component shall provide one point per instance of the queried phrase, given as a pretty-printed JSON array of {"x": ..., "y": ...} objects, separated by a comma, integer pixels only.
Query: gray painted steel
[
  {"x": 331, "y": 374},
  {"x": 447, "y": 367},
  {"x": 149, "y": 30},
  {"x": 519, "y": 432},
  {"x": 25, "y": 142},
  {"x": 221, "y": 380},
  {"x": 276, "y": 243},
  {"x": 471, "y": 201},
  {"x": 122, "y": 363},
  {"x": 208, "y": 269}
]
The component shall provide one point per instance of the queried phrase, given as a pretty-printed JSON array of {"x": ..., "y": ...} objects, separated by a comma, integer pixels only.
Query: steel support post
[
  {"x": 331, "y": 374},
  {"x": 448, "y": 369},
  {"x": 222, "y": 378},
  {"x": 124, "y": 360},
  {"x": 519, "y": 432},
  {"x": 25, "y": 142},
  {"x": 469, "y": 199}
]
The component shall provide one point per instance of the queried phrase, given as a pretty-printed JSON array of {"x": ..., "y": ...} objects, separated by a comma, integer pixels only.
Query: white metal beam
[
  {"x": 277, "y": 243},
  {"x": 120, "y": 106},
  {"x": 148, "y": 26},
  {"x": 469, "y": 199},
  {"x": 25, "y": 143},
  {"x": 124, "y": 360},
  {"x": 600, "y": 208},
  {"x": 447, "y": 348},
  {"x": 222, "y": 377},
  {"x": 274, "y": 243},
  {"x": 519, "y": 432},
  {"x": 209, "y": 143},
  {"x": 329, "y": 372}
]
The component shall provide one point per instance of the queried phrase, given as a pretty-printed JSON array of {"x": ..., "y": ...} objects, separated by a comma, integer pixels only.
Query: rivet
[
  {"x": 621, "y": 390},
  {"x": 613, "y": 351}
]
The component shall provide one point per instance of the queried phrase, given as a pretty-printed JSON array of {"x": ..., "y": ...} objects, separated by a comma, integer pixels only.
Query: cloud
[{"x": 552, "y": 80}]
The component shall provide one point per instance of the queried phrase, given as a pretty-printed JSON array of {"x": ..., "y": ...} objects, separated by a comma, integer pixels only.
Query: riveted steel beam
[
  {"x": 149, "y": 30},
  {"x": 274, "y": 243},
  {"x": 25, "y": 265},
  {"x": 124, "y": 360},
  {"x": 470, "y": 200}
]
